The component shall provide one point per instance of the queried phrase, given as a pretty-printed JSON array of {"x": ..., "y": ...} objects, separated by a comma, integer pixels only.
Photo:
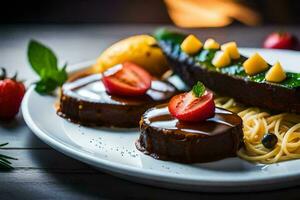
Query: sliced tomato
[
  {"x": 127, "y": 79},
  {"x": 187, "y": 107}
]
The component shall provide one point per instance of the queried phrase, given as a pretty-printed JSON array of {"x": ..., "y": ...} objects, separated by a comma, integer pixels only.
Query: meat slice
[
  {"x": 84, "y": 100},
  {"x": 166, "y": 138}
]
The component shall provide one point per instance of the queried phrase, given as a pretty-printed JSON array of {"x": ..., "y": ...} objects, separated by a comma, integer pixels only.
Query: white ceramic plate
[{"x": 113, "y": 150}]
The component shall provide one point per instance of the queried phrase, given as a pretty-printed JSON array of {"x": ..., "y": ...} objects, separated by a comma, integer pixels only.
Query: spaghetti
[{"x": 256, "y": 123}]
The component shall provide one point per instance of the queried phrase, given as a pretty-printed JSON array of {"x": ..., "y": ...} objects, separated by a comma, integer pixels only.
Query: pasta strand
[{"x": 256, "y": 123}]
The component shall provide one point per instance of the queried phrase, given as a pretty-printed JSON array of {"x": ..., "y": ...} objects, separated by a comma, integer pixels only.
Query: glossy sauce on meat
[
  {"x": 84, "y": 100},
  {"x": 223, "y": 120},
  {"x": 91, "y": 88}
]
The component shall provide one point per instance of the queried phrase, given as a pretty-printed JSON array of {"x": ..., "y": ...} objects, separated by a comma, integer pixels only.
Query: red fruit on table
[
  {"x": 188, "y": 107},
  {"x": 127, "y": 79},
  {"x": 279, "y": 40},
  {"x": 11, "y": 95}
]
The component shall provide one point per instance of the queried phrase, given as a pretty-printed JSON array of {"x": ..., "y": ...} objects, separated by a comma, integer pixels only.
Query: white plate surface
[{"x": 113, "y": 150}]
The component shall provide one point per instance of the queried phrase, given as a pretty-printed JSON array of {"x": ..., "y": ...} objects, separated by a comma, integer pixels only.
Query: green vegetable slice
[{"x": 204, "y": 57}]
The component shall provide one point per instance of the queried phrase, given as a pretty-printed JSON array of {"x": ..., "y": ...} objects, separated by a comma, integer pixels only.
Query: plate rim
[{"x": 147, "y": 174}]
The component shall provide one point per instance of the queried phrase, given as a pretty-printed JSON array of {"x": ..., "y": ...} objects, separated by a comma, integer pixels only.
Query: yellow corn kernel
[
  {"x": 276, "y": 73},
  {"x": 255, "y": 64},
  {"x": 191, "y": 44},
  {"x": 221, "y": 59},
  {"x": 211, "y": 44},
  {"x": 231, "y": 49}
]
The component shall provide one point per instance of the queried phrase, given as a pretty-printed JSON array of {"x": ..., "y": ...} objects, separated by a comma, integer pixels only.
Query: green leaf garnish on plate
[
  {"x": 44, "y": 62},
  {"x": 198, "y": 89}
]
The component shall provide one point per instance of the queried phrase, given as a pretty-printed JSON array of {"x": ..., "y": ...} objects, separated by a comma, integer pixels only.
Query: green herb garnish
[
  {"x": 165, "y": 34},
  {"x": 44, "y": 62},
  {"x": 205, "y": 55},
  {"x": 5, "y": 164},
  {"x": 198, "y": 89}
]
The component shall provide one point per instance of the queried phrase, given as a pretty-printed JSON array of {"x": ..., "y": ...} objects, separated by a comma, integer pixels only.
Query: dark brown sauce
[
  {"x": 223, "y": 120},
  {"x": 90, "y": 88}
]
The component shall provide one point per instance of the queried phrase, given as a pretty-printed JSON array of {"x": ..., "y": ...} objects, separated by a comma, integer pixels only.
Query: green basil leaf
[
  {"x": 46, "y": 86},
  {"x": 44, "y": 63},
  {"x": 41, "y": 58},
  {"x": 198, "y": 89},
  {"x": 62, "y": 75}
]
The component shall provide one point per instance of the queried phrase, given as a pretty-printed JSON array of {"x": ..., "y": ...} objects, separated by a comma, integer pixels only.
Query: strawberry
[
  {"x": 280, "y": 40},
  {"x": 11, "y": 95}
]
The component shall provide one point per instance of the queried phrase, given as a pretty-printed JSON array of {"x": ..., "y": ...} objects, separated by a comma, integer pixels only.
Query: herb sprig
[
  {"x": 44, "y": 62},
  {"x": 5, "y": 164},
  {"x": 198, "y": 89}
]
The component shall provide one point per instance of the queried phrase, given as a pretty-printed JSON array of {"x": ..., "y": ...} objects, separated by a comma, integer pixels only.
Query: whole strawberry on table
[
  {"x": 281, "y": 40},
  {"x": 11, "y": 95}
]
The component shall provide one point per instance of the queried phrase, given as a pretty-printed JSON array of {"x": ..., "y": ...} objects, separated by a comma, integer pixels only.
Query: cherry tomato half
[
  {"x": 187, "y": 107},
  {"x": 126, "y": 79}
]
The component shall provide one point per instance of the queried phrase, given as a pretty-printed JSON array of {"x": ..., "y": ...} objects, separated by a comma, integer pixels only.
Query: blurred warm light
[{"x": 209, "y": 13}]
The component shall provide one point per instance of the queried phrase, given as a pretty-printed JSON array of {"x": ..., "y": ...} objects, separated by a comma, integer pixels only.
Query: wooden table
[{"x": 42, "y": 172}]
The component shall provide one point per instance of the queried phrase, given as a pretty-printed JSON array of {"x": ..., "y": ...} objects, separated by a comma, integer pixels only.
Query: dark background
[{"x": 126, "y": 11}]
